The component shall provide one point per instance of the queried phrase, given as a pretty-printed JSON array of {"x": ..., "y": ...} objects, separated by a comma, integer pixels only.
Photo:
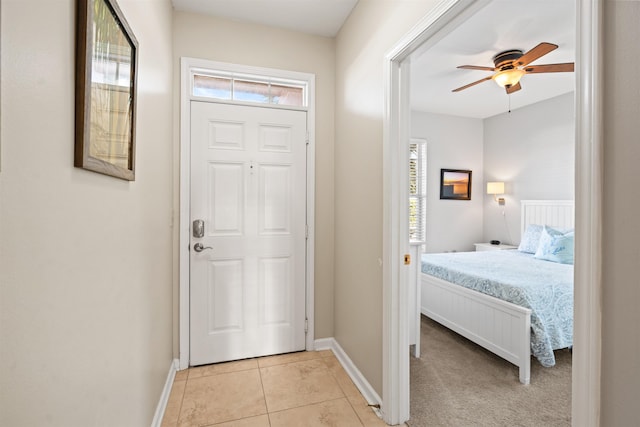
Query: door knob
[{"x": 199, "y": 248}]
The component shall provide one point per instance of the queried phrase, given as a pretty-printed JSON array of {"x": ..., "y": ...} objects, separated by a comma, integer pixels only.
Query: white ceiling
[
  {"x": 319, "y": 17},
  {"x": 500, "y": 26}
]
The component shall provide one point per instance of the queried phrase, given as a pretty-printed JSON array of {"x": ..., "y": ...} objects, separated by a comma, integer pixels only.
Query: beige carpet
[{"x": 457, "y": 383}]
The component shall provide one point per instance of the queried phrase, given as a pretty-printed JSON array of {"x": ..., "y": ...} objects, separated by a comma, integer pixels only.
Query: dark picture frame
[
  {"x": 106, "y": 85},
  {"x": 455, "y": 184}
]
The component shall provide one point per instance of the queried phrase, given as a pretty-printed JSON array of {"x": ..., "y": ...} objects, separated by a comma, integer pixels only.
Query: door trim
[
  {"x": 588, "y": 194},
  {"x": 186, "y": 65}
]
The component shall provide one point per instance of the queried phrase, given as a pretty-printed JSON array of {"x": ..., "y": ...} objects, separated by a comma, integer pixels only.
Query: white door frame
[
  {"x": 588, "y": 195},
  {"x": 186, "y": 66}
]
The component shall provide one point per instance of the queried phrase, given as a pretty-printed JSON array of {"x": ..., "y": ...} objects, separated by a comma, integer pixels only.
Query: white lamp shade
[{"x": 495, "y": 187}]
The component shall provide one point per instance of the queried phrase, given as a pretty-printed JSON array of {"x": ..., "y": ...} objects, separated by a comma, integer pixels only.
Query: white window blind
[{"x": 417, "y": 190}]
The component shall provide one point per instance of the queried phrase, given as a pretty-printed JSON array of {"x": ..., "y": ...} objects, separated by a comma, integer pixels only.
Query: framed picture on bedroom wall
[{"x": 455, "y": 184}]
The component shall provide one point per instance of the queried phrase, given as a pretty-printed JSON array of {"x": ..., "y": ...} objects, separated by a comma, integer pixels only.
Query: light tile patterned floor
[{"x": 291, "y": 390}]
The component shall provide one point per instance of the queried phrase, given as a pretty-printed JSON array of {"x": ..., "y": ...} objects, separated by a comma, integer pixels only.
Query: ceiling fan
[{"x": 511, "y": 65}]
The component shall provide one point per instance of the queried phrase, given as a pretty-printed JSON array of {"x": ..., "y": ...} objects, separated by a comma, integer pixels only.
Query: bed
[{"x": 493, "y": 300}]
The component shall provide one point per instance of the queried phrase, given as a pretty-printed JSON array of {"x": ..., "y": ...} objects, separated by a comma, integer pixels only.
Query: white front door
[{"x": 248, "y": 187}]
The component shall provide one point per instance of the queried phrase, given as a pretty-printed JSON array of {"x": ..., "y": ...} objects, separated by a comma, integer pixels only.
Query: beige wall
[
  {"x": 85, "y": 259},
  {"x": 621, "y": 228},
  {"x": 371, "y": 31},
  {"x": 216, "y": 39}
]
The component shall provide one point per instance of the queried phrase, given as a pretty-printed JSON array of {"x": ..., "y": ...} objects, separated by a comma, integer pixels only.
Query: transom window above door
[{"x": 248, "y": 88}]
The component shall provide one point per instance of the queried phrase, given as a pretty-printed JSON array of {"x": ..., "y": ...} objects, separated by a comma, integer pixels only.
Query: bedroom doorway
[{"x": 587, "y": 343}]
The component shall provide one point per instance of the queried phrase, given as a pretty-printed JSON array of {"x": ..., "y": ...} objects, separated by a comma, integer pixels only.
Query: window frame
[
  {"x": 252, "y": 78},
  {"x": 421, "y": 191}
]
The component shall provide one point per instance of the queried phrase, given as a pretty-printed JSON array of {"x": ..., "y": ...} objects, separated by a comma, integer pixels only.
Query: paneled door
[{"x": 248, "y": 204}]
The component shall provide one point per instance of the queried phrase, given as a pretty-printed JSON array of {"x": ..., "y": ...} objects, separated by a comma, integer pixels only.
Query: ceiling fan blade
[
  {"x": 513, "y": 88},
  {"x": 567, "y": 67},
  {"x": 476, "y": 67},
  {"x": 472, "y": 84},
  {"x": 535, "y": 53}
]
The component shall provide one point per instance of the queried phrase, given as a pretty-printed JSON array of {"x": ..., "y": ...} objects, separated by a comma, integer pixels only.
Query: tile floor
[{"x": 297, "y": 389}]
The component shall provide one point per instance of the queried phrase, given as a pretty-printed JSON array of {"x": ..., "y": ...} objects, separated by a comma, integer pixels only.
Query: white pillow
[
  {"x": 556, "y": 246},
  {"x": 531, "y": 239}
]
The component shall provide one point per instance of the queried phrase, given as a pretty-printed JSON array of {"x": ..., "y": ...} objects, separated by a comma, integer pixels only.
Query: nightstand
[{"x": 490, "y": 247}]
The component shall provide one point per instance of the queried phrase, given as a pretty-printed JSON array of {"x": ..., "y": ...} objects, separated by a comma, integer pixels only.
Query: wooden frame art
[
  {"x": 106, "y": 65},
  {"x": 455, "y": 184}
]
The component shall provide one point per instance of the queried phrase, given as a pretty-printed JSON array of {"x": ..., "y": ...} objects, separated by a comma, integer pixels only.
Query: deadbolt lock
[{"x": 198, "y": 228}]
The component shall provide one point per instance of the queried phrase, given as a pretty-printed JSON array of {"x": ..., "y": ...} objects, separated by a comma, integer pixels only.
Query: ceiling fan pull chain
[{"x": 509, "y": 97}]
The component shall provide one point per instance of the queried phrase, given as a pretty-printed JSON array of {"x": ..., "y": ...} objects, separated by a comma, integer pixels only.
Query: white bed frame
[{"x": 499, "y": 326}]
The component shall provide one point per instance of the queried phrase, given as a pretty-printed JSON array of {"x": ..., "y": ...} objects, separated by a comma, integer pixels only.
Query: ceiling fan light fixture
[{"x": 508, "y": 78}]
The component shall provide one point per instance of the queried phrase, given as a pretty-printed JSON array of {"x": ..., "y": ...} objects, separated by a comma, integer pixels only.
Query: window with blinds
[{"x": 417, "y": 190}]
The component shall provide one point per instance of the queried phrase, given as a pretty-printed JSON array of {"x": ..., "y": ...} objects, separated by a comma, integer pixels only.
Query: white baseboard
[
  {"x": 166, "y": 391},
  {"x": 324, "y": 344},
  {"x": 358, "y": 379}
]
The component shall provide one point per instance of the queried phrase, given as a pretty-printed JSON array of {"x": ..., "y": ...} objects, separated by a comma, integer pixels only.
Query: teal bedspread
[{"x": 543, "y": 286}]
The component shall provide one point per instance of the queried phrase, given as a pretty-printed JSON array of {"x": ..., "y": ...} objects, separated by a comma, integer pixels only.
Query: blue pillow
[
  {"x": 556, "y": 246},
  {"x": 531, "y": 239}
]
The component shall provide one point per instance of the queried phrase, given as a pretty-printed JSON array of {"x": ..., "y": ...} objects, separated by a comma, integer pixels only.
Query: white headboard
[{"x": 556, "y": 213}]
